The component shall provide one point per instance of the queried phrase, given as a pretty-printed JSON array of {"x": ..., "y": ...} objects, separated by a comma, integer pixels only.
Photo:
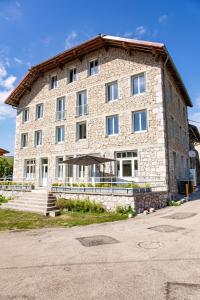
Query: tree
[{"x": 6, "y": 166}]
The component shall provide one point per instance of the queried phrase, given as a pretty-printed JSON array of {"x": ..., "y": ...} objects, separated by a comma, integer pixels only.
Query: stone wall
[{"x": 139, "y": 202}]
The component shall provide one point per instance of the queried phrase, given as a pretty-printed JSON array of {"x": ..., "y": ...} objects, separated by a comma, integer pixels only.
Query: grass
[{"x": 17, "y": 220}]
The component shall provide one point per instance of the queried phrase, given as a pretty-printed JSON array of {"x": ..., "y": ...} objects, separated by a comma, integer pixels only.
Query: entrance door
[{"x": 44, "y": 171}]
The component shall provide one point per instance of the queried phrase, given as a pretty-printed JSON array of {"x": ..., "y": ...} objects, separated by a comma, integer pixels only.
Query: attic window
[{"x": 53, "y": 82}]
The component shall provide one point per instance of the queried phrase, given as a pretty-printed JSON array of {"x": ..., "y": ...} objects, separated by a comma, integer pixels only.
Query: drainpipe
[{"x": 166, "y": 124}]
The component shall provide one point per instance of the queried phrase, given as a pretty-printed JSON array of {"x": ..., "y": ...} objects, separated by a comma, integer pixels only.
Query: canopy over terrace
[{"x": 89, "y": 160}]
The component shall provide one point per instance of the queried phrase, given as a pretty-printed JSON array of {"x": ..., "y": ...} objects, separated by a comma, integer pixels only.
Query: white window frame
[
  {"x": 140, "y": 121},
  {"x": 132, "y": 84},
  {"x": 60, "y": 167},
  {"x": 113, "y": 125},
  {"x": 25, "y": 110},
  {"x": 89, "y": 69},
  {"x": 126, "y": 158},
  {"x": 50, "y": 82},
  {"x": 31, "y": 166},
  {"x": 36, "y": 111},
  {"x": 82, "y": 109},
  {"x": 40, "y": 138},
  {"x": 72, "y": 69},
  {"x": 60, "y": 114},
  {"x": 78, "y": 130},
  {"x": 22, "y": 140},
  {"x": 57, "y": 128},
  {"x": 112, "y": 89}
]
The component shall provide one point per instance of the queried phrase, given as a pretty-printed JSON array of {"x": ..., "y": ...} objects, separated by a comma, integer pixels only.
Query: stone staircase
[{"x": 38, "y": 200}]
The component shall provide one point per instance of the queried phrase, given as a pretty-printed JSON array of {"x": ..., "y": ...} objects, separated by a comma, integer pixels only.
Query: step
[
  {"x": 27, "y": 209},
  {"x": 22, "y": 205},
  {"x": 35, "y": 203},
  {"x": 32, "y": 201}
]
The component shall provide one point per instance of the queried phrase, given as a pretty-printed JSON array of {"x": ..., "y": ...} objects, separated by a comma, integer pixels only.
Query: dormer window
[
  {"x": 53, "y": 82},
  {"x": 94, "y": 67}
]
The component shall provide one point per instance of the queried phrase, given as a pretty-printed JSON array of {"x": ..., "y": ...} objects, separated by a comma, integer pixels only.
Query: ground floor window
[
  {"x": 81, "y": 171},
  {"x": 59, "y": 167},
  {"x": 69, "y": 168},
  {"x": 127, "y": 164},
  {"x": 30, "y": 168}
]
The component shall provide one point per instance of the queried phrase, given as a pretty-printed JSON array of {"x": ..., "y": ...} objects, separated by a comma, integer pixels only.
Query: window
[
  {"x": 29, "y": 167},
  {"x": 72, "y": 75},
  {"x": 24, "y": 140},
  {"x": 138, "y": 84},
  {"x": 39, "y": 111},
  {"x": 26, "y": 115},
  {"x": 94, "y": 67},
  {"x": 60, "y": 134},
  {"x": 80, "y": 171},
  {"x": 81, "y": 131},
  {"x": 112, "y": 125},
  {"x": 38, "y": 138},
  {"x": 53, "y": 82},
  {"x": 112, "y": 91},
  {"x": 127, "y": 164},
  {"x": 59, "y": 167},
  {"x": 60, "y": 109},
  {"x": 140, "y": 121},
  {"x": 82, "y": 107},
  {"x": 69, "y": 168}
]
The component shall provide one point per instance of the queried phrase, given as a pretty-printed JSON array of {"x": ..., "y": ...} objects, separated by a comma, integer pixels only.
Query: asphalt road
[{"x": 140, "y": 263}]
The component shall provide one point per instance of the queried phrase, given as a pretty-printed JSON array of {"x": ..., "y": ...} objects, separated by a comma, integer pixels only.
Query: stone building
[{"x": 112, "y": 97}]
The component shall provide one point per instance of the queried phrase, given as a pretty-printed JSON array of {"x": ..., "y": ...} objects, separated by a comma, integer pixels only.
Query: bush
[
  {"x": 4, "y": 199},
  {"x": 173, "y": 203},
  {"x": 2, "y": 183},
  {"x": 125, "y": 210},
  {"x": 80, "y": 205}
]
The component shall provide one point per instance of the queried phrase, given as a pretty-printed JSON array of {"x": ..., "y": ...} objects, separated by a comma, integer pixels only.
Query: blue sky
[{"x": 34, "y": 30}]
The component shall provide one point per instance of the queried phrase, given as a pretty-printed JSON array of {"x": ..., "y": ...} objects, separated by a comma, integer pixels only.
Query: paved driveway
[{"x": 141, "y": 263}]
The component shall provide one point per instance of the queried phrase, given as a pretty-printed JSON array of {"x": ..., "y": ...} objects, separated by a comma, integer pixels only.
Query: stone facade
[
  {"x": 154, "y": 146},
  {"x": 139, "y": 202}
]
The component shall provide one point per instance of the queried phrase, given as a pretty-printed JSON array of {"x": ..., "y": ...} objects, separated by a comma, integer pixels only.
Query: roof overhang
[
  {"x": 194, "y": 134},
  {"x": 3, "y": 151},
  {"x": 78, "y": 52}
]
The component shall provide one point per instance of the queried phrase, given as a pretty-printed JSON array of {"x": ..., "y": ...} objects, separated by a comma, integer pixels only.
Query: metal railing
[
  {"x": 60, "y": 115},
  {"x": 81, "y": 110}
]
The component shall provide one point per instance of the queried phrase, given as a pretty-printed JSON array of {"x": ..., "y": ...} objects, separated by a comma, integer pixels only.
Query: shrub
[
  {"x": 4, "y": 199},
  {"x": 80, "y": 205},
  {"x": 125, "y": 210},
  {"x": 173, "y": 203}
]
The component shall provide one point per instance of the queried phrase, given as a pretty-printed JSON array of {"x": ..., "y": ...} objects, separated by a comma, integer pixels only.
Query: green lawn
[{"x": 10, "y": 219}]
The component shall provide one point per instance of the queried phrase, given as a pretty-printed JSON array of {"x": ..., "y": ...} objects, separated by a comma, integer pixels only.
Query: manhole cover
[
  {"x": 185, "y": 291},
  {"x": 180, "y": 216},
  {"x": 96, "y": 240},
  {"x": 166, "y": 228},
  {"x": 149, "y": 245}
]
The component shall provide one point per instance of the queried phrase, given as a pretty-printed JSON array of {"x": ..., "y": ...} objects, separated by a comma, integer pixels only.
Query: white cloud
[
  {"x": 6, "y": 87},
  {"x": 11, "y": 11},
  {"x": 3, "y": 71},
  {"x": 163, "y": 19},
  {"x": 140, "y": 30},
  {"x": 18, "y": 60},
  {"x": 71, "y": 40},
  {"x": 137, "y": 33}
]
